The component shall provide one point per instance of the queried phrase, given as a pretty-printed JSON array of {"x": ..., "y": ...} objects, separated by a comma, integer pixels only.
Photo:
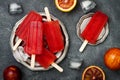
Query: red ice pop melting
[
  {"x": 46, "y": 59},
  {"x": 34, "y": 40},
  {"x": 23, "y": 27},
  {"x": 53, "y": 35},
  {"x": 93, "y": 29}
]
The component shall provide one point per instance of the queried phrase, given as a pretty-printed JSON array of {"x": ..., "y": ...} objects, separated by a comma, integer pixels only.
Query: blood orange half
[
  {"x": 65, "y": 5},
  {"x": 93, "y": 73}
]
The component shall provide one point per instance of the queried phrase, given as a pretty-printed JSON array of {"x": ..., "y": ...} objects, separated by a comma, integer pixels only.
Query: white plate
[
  {"x": 60, "y": 56},
  {"x": 84, "y": 20}
]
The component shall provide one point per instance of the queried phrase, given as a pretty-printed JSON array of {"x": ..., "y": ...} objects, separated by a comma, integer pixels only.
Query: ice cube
[
  {"x": 20, "y": 55},
  {"x": 75, "y": 63},
  {"x": 87, "y": 5},
  {"x": 15, "y": 8}
]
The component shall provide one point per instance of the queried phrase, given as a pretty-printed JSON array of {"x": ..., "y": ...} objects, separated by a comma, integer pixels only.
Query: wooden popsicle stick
[
  {"x": 83, "y": 46},
  {"x": 32, "y": 61},
  {"x": 60, "y": 69},
  {"x": 47, "y": 14},
  {"x": 17, "y": 44}
]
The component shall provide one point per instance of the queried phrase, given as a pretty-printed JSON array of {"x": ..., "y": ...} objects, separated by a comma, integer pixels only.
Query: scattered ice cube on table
[
  {"x": 15, "y": 8},
  {"x": 87, "y": 5},
  {"x": 75, "y": 63}
]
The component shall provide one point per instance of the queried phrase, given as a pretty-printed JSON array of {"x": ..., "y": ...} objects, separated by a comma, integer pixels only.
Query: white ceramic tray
[{"x": 20, "y": 51}]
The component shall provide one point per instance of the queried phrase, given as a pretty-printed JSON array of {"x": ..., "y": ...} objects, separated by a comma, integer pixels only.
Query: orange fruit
[
  {"x": 65, "y": 5},
  {"x": 93, "y": 73},
  {"x": 112, "y": 58}
]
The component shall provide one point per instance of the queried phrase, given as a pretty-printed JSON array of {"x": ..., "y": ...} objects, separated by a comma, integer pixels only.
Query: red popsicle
[
  {"x": 93, "y": 28},
  {"x": 46, "y": 59},
  {"x": 23, "y": 27},
  {"x": 34, "y": 40},
  {"x": 53, "y": 34}
]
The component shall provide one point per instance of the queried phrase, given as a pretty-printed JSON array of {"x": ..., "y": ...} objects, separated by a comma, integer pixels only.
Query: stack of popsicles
[
  {"x": 93, "y": 29},
  {"x": 32, "y": 30}
]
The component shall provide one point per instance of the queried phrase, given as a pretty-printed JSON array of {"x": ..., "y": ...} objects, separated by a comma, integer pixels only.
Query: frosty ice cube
[
  {"x": 75, "y": 63},
  {"x": 87, "y": 5},
  {"x": 20, "y": 54},
  {"x": 15, "y": 8}
]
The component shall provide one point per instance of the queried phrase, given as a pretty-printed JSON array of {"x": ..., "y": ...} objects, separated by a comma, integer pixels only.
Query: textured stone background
[{"x": 93, "y": 55}]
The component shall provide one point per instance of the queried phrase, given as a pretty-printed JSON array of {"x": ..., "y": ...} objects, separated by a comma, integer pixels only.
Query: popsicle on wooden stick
[
  {"x": 23, "y": 27},
  {"x": 46, "y": 59},
  {"x": 53, "y": 34},
  {"x": 48, "y": 56},
  {"x": 93, "y": 29},
  {"x": 34, "y": 40}
]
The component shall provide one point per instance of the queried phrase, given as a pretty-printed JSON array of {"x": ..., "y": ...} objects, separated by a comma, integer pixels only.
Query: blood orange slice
[
  {"x": 65, "y": 5},
  {"x": 93, "y": 73}
]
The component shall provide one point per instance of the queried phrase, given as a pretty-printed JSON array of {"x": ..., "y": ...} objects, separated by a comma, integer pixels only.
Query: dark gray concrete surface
[{"x": 93, "y": 55}]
